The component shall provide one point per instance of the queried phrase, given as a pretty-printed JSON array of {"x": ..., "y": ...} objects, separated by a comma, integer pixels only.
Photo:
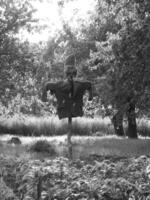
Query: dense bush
[
  {"x": 43, "y": 146},
  {"x": 143, "y": 127}
]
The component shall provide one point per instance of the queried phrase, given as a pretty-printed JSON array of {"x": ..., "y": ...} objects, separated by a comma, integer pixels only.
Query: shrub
[
  {"x": 143, "y": 127},
  {"x": 42, "y": 146},
  {"x": 14, "y": 140}
]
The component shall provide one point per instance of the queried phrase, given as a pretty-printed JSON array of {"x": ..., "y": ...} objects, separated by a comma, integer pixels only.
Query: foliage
[
  {"x": 143, "y": 127},
  {"x": 42, "y": 146},
  {"x": 100, "y": 178},
  {"x": 116, "y": 62},
  {"x": 120, "y": 63},
  {"x": 14, "y": 15},
  {"x": 5, "y": 192},
  {"x": 131, "y": 62},
  {"x": 19, "y": 61}
]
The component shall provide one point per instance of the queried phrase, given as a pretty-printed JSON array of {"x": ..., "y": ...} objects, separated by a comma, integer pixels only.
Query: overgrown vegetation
[
  {"x": 112, "y": 50},
  {"x": 98, "y": 178},
  {"x": 51, "y": 126}
]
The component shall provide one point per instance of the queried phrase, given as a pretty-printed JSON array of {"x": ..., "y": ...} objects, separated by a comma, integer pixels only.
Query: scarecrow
[{"x": 69, "y": 93}]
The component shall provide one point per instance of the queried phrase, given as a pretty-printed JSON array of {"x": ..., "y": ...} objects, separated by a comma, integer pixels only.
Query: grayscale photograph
[{"x": 74, "y": 99}]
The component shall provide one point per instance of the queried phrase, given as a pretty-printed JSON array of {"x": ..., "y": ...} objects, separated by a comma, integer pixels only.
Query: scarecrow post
[{"x": 69, "y": 134}]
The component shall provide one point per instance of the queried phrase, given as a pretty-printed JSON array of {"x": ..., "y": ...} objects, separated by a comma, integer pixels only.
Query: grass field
[
  {"x": 96, "y": 137},
  {"x": 82, "y": 146},
  {"x": 52, "y": 126}
]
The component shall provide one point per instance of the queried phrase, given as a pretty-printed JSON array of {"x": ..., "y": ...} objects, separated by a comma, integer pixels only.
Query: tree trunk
[
  {"x": 132, "y": 126},
  {"x": 118, "y": 123}
]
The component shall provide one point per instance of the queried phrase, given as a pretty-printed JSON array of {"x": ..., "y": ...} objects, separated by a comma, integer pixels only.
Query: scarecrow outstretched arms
[
  {"x": 68, "y": 105},
  {"x": 64, "y": 87},
  {"x": 80, "y": 87}
]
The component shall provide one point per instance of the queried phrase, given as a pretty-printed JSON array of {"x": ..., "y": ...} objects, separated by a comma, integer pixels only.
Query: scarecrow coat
[{"x": 69, "y": 96}]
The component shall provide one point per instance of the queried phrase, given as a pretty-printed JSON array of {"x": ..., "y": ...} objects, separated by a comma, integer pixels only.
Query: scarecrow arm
[
  {"x": 88, "y": 87},
  {"x": 48, "y": 87}
]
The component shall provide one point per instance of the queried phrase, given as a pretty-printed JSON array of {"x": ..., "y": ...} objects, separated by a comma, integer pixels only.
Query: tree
[
  {"x": 132, "y": 53},
  {"x": 103, "y": 29},
  {"x": 118, "y": 62},
  {"x": 14, "y": 55},
  {"x": 67, "y": 43},
  {"x": 124, "y": 56}
]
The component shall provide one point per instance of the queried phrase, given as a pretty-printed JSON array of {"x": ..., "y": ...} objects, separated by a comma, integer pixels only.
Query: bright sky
[{"x": 50, "y": 14}]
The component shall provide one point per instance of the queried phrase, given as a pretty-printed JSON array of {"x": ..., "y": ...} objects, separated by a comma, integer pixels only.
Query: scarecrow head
[{"x": 70, "y": 69}]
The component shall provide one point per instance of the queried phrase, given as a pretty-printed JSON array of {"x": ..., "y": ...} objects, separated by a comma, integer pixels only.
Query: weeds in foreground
[{"x": 60, "y": 178}]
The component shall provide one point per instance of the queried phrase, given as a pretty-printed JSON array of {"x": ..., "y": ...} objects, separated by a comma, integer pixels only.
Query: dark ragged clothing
[{"x": 69, "y": 97}]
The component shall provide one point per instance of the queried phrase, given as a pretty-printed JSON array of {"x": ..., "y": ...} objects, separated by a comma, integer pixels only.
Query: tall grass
[
  {"x": 52, "y": 126},
  {"x": 143, "y": 127}
]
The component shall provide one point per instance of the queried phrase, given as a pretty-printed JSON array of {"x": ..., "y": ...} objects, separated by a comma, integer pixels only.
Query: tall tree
[
  {"x": 123, "y": 55},
  {"x": 132, "y": 59},
  {"x": 14, "y": 15}
]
